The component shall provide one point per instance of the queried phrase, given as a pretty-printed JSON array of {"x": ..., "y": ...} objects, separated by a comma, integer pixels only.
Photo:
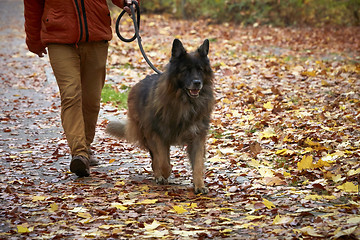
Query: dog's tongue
[{"x": 194, "y": 92}]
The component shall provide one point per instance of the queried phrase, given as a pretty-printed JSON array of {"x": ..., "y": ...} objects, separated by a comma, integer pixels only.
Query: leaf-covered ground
[{"x": 283, "y": 149}]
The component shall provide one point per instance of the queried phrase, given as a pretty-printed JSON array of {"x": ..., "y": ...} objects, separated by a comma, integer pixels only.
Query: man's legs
[
  {"x": 93, "y": 57},
  {"x": 80, "y": 74},
  {"x": 65, "y": 62}
]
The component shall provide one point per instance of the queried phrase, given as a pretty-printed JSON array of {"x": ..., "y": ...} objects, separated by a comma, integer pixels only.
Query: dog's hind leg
[
  {"x": 196, "y": 152},
  {"x": 160, "y": 156}
]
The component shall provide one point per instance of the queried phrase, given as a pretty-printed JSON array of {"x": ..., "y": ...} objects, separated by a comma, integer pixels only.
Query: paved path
[
  {"x": 32, "y": 142},
  {"x": 29, "y": 104}
]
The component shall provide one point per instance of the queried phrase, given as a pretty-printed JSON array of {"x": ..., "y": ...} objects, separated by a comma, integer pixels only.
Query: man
[{"x": 76, "y": 33}]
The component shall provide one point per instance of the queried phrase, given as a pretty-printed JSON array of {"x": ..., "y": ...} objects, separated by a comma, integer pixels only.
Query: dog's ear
[
  {"x": 177, "y": 49},
  {"x": 203, "y": 50}
]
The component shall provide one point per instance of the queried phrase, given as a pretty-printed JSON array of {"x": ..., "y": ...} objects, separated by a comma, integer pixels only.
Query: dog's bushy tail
[{"x": 117, "y": 129}]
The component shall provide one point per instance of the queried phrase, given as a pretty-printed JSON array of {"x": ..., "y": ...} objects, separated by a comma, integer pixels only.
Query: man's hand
[
  {"x": 128, "y": 3},
  {"x": 41, "y": 52}
]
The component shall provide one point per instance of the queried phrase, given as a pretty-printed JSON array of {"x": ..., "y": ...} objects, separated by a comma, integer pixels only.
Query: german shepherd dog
[{"x": 172, "y": 108}]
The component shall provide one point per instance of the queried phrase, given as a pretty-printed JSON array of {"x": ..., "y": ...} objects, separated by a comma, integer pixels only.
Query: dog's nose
[{"x": 197, "y": 83}]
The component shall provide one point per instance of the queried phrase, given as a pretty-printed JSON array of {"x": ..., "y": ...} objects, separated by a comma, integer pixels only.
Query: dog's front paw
[
  {"x": 202, "y": 190},
  {"x": 161, "y": 180}
]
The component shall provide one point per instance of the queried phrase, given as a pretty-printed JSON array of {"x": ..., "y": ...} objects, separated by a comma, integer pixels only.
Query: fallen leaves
[
  {"x": 179, "y": 209},
  {"x": 24, "y": 228},
  {"x": 268, "y": 203},
  {"x": 306, "y": 163},
  {"x": 349, "y": 187},
  {"x": 280, "y": 220},
  {"x": 283, "y": 147}
]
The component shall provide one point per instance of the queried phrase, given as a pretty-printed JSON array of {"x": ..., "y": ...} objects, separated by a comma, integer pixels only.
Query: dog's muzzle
[{"x": 194, "y": 89}]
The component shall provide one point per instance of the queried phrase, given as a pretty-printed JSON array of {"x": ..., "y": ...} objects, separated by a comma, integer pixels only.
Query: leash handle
[
  {"x": 117, "y": 28},
  {"x": 136, "y": 35}
]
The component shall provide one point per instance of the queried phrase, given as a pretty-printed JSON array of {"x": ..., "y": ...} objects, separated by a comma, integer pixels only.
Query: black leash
[{"x": 136, "y": 35}]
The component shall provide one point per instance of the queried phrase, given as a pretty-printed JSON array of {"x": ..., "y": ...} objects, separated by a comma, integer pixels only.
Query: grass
[{"x": 117, "y": 97}]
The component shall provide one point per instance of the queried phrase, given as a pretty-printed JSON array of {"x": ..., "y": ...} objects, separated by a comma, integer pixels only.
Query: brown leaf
[{"x": 255, "y": 148}]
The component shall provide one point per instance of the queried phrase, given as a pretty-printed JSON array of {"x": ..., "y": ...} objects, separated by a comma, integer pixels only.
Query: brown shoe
[
  {"x": 92, "y": 159},
  {"x": 80, "y": 166}
]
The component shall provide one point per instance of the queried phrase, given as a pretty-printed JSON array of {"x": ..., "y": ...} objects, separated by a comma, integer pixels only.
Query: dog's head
[{"x": 191, "y": 71}]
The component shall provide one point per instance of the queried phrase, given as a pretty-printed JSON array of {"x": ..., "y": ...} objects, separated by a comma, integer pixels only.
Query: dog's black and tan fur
[{"x": 172, "y": 108}]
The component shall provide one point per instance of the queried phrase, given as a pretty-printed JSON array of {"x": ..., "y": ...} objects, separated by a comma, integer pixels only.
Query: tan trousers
[{"x": 80, "y": 74}]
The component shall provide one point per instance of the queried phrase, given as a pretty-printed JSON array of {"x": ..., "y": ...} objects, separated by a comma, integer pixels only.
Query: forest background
[{"x": 270, "y": 12}]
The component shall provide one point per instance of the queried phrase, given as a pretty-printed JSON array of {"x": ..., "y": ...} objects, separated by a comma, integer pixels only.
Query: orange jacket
[{"x": 66, "y": 21}]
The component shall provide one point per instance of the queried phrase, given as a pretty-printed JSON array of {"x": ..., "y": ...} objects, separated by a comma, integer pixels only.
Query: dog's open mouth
[{"x": 193, "y": 92}]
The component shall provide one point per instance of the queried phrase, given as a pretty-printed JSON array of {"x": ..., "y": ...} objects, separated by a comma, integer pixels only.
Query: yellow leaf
[
  {"x": 112, "y": 160},
  {"x": 287, "y": 139},
  {"x": 179, "y": 209},
  {"x": 194, "y": 205},
  {"x": 249, "y": 117},
  {"x": 353, "y": 220},
  {"x": 319, "y": 197},
  {"x": 156, "y": 234},
  {"x": 226, "y": 151},
  {"x": 268, "y": 204},
  {"x": 84, "y": 214},
  {"x": 53, "y": 207},
  {"x": 25, "y": 152},
  {"x": 107, "y": 227},
  {"x": 128, "y": 202},
  {"x": 236, "y": 113},
  {"x": 324, "y": 83},
  {"x": 308, "y": 230},
  {"x": 286, "y": 174},
  {"x": 250, "y": 225},
  {"x": 226, "y": 101},
  {"x": 241, "y": 85},
  {"x": 268, "y": 106},
  {"x": 349, "y": 187},
  {"x": 338, "y": 233},
  {"x": 254, "y": 163},
  {"x": 307, "y": 150},
  {"x": 144, "y": 188},
  {"x": 226, "y": 231},
  {"x": 225, "y": 219},
  {"x": 306, "y": 163},
  {"x": 120, "y": 183},
  {"x": 281, "y": 151},
  {"x": 309, "y": 73},
  {"x": 117, "y": 231},
  {"x": 24, "y": 229},
  {"x": 266, "y": 172},
  {"x": 282, "y": 220},
  {"x": 353, "y": 172},
  {"x": 329, "y": 215},
  {"x": 148, "y": 201},
  {"x": 78, "y": 209},
  {"x": 87, "y": 220},
  {"x": 267, "y": 133},
  {"x": 186, "y": 234},
  {"x": 309, "y": 142},
  {"x": 150, "y": 227},
  {"x": 337, "y": 178},
  {"x": 284, "y": 152},
  {"x": 217, "y": 160},
  {"x": 118, "y": 206},
  {"x": 38, "y": 198},
  {"x": 252, "y": 217}
]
